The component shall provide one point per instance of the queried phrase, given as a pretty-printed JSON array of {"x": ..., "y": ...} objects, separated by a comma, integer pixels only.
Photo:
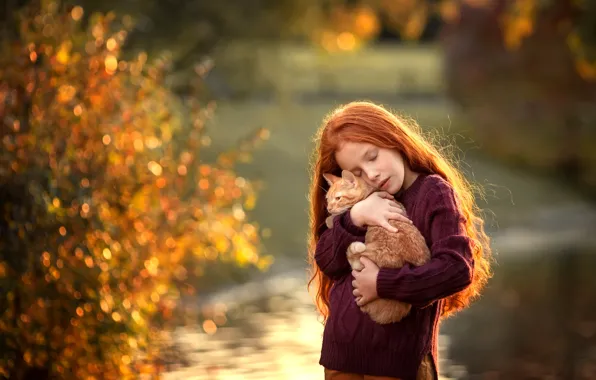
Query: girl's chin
[
  {"x": 390, "y": 186},
  {"x": 393, "y": 187}
]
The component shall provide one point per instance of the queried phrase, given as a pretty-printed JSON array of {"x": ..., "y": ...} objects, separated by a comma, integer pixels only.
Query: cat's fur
[{"x": 387, "y": 249}]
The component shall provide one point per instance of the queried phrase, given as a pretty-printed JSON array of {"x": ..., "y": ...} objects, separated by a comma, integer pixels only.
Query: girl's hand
[
  {"x": 365, "y": 282},
  {"x": 377, "y": 210}
]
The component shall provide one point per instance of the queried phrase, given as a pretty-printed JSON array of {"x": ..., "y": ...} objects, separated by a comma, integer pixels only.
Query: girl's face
[{"x": 381, "y": 168}]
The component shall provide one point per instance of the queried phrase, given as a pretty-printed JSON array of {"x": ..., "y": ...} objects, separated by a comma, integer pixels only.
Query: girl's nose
[{"x": 373, "y": 176}]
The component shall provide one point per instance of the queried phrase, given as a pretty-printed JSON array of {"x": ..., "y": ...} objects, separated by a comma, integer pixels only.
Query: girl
[{"x": 390, "y": 154}]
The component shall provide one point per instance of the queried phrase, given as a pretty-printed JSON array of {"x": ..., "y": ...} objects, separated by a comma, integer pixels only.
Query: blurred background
[{"x": 154, "y": 174}]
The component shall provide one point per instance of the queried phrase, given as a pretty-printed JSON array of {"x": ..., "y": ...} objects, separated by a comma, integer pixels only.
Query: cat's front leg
[
  {"x": 354, "y": 252},
  {"x": 329, "y": 221}
]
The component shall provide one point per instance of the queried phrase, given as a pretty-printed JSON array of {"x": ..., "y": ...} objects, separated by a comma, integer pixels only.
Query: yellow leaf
[
  {"x": 111, "y": 64},
  {"x": 222, "y": 244},
  {"x": 66, "y": 93},
  {"x": 250, "y": 202},
  {"x": 264, "y": 263},
  {"x": 27, "y": 356},
  {"x": 585, "y": 69},
  {"x": 246, "y": 254},
  {"x": 114, "y": 158},
  {"x": 449, "y": 10},
  {"x": 63, "y": 54}
]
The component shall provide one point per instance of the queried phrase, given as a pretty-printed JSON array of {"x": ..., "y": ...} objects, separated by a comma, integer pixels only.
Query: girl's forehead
[
  {"x": 349, "y": 154},
  {"x": 352, "y": 147}
]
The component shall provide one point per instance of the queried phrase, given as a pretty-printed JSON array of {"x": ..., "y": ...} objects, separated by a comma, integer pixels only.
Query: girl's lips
[{"x": 384, "y": 184}]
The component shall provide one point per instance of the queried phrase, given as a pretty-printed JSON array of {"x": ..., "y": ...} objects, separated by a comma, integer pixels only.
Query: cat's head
[{"x": 344, "y": 192}]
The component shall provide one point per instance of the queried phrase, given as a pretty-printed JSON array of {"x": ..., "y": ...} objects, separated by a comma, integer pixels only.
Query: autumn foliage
[{"x": 103, "y": 197}]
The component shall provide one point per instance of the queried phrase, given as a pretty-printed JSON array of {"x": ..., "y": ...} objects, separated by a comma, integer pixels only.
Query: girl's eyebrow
[{"x": 369, "y": 150}]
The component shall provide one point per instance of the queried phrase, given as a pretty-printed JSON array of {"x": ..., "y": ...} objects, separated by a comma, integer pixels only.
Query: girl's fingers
[
  {"x": 356, "y": 293},
  {"x": 398, "y": 216},
  {"x": 394, "y": 206},
  {"x": 386, "y": 195},
  {"x": 389, "y": 227}
]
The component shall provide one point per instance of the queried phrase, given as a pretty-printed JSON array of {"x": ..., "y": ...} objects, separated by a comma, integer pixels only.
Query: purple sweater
[{"x": 352, "y": 342}]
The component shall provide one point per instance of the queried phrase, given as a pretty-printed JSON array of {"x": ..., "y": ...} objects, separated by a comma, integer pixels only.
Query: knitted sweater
[{"x": 352, "y": 342}]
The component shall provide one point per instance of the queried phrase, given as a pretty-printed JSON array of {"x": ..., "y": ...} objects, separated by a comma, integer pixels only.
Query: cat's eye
[{"x": 337, "y": 198}]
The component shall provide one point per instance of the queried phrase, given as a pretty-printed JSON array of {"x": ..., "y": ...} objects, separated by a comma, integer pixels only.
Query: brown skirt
[{"x": 425, "y": 372}]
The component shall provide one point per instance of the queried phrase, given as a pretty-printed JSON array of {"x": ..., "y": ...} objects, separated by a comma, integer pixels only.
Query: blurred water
[{"x": 537, "y": 320}]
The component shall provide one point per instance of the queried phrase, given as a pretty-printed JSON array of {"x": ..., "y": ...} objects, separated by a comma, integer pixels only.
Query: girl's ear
[
  {"x": 348, "y": 176},
  {"x": 330, "y": 178}
]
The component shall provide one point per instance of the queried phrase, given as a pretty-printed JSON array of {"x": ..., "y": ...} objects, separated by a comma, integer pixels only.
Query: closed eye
[{"x": 337, "y": 198}]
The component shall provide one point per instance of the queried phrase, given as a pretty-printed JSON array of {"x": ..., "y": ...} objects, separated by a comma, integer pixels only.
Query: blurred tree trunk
[{"x": 527, "y": 105}]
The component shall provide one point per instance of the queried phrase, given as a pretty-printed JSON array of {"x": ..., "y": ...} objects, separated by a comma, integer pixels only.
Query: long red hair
[{"x": 365, "y": 122}]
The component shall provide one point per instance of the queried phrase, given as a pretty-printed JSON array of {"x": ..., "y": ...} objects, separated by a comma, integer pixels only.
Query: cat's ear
[
  {"x": 330, "y": 178},
  {"x": 348, "y": 176}
]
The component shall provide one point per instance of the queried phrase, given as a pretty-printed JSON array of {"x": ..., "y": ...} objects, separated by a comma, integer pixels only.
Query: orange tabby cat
[{"x": 387, "y": 249}]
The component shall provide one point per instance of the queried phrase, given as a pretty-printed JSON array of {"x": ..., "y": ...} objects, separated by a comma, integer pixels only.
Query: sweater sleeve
[
  {"x": 330, "y": 253},
  {"x": 451, "y": 266}
]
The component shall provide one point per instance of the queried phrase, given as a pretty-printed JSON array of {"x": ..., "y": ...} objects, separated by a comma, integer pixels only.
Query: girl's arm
[
  {"x": 330, "y": 253},
  {"x": 451, "y": 266}
]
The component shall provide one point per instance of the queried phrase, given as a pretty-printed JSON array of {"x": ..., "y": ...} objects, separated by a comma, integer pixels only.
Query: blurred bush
[{"x": 108, "y": 211}]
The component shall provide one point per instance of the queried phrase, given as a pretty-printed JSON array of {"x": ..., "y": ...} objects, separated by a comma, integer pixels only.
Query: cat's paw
[
  {"x": 329, "y": 221},
  {"x": 353, "y": 254},
  {"x": 356, "y": 264},
  {"x": 357, "y": 247}
]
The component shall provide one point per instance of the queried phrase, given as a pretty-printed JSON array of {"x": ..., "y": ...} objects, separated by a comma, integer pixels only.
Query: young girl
[{"x": 390, "y": 154}]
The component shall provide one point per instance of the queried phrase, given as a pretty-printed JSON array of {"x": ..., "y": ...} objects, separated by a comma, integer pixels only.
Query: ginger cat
[{"x": 387, "y": 249}]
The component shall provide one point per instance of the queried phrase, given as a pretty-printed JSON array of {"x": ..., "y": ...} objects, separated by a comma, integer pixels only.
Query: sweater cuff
[
  {"x": 346, "y": 222},
  {"x": 386, "y": 283}
]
